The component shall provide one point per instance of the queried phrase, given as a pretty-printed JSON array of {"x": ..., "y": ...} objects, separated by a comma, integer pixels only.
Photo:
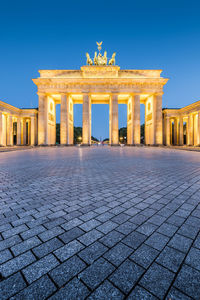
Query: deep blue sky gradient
[{"x": 56, "y": 34}]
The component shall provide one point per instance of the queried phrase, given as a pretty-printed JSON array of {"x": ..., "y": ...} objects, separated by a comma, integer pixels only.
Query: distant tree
[
  {"x": 123, "y": 135},
  {"x": 77, "y": 135},
  {"x": 58, "y": 133}
]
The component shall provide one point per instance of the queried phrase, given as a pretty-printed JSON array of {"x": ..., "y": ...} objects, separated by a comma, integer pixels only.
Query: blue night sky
[{"x": 56, "y": 35}]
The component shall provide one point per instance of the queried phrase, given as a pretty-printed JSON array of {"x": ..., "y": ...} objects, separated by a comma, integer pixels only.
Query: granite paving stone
[
  {"x": 25, "y": 246},
  {"x": 39, "y": 268},
  {"x": 187, "y": 281},
  {"x": 40, "y": 289},
  {"x": 175, "y": 294},
  {"x": 99, "y": 222},
  {"x": 71, "y": 235},
  {"x": 193, "y": 258},
  {"x": 5, "y": 255},
  {"x": 16, "y": 264},
  {"x": 126, "y": 276},
  {"x": 112, "y": 238},
  {"x": 118, "y": 254},
  {"x": 67, "y": 270},
  {"x": 157, "y": 241},
  {"x": 180, "y": 242},
  {"x": 47, "y": 247},
  {"x": 96, "y": 273},
  {"x": 11, "y": 286},
  {"x": 144, "y": 255},
  {"x": 106, "y": 291},
  {"x": 75, "y": 290},
  {"x": 68, "y": 250},
  {"x": 140, "y": 293},
  {"x": 157, "y": 280},
  {"x": 171, "y": 258},
  {"x": 92, "y": 252}
]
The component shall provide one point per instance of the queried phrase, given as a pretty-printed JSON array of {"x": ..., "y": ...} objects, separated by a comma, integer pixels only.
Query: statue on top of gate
[{"x": 100, "y": 60}]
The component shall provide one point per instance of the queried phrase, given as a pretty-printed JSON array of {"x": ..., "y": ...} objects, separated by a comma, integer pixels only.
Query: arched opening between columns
[
  {"x": 142, "y": 123},
  {"x": 57, "y": 123},
  {"x": 122, "y": 123},
  {"x": 99, "y": 123},
  {"x": 78, "y": 111}
]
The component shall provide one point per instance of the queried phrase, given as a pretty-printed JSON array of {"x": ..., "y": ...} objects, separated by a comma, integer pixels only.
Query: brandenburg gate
[{"x": 100, "y": 82}]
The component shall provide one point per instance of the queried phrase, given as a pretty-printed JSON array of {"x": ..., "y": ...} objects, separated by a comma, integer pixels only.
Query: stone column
[
  {"x": 19, "y": 131},
  {"x": 63, "y": 120},
  {"x": 113, "y": 115},
  {"x": 136, "y": 120},
  {"x": 24, "y": 131},
  {"x": 32, "y": 131},
  {"x": 41, "y": 119},
  {"x": 198, "y": 128},
  {"x": 180, "y": 131},
  {"x": 1, "y": 129},
  {"x": 190, "y": 130},
  {"x": 168, "y": 133},
  {"x": 175, "y": 131},
  {"x": 10, "y": 131},
  {"x": 158, "y": 121},
  {"x": 86, "y": 130}
]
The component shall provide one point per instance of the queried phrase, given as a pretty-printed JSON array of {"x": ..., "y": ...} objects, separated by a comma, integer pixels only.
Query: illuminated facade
[
  {"x": 18, "y": 126},
  {"x": 182, "y": 126},
  {"x": 99, "y": 83}
]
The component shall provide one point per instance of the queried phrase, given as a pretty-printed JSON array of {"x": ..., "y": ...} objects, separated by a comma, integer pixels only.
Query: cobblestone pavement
[{"x": 100, "y": 223}]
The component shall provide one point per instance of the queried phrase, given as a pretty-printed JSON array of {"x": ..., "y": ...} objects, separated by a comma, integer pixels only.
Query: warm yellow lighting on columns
[
  {"x": 180, "y": 131},
  {"x": 167, "y": 131},
  {"x": 86, "y": 134},
  {"x": 70, "y": 120},
  {"x": 1, "y": 129},
  {"x": 41, "y": 118},
  {"x": 113, "y": 115},
  {"x": 19, "y": 133},
  {"x": 175, "y": 131},
  {"x": 24, "y": 131},
  {"x": 63, "y": 120},
  {"x": 136, "y": 119},
  {"x": 198, "y": 128},
  {"x": 10, "y": 131},
  {"x": 158, "y": 119},
  {"x": 32, "y": 131},
  {"x": 190, "y": 130}
]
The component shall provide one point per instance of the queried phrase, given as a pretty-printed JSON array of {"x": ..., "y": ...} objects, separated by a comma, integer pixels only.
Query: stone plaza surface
[{"x": 100, "y": 223}]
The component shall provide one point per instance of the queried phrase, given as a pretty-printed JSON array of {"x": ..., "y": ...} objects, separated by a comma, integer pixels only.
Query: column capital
[
  {"x": 41, "y": 94},
  {"x": 158, "y": 94}
]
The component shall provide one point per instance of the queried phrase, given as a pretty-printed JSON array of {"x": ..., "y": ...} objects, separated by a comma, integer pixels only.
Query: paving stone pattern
[{"x": 100, "y": 223}]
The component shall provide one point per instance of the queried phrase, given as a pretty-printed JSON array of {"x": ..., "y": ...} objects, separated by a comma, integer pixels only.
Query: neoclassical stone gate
[{"x": 100, "y": 84}]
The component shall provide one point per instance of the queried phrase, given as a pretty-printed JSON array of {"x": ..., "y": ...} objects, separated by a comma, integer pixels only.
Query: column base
[
  {"x": 85, "y": 145},
  {"x": 135, "y": 145}
]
